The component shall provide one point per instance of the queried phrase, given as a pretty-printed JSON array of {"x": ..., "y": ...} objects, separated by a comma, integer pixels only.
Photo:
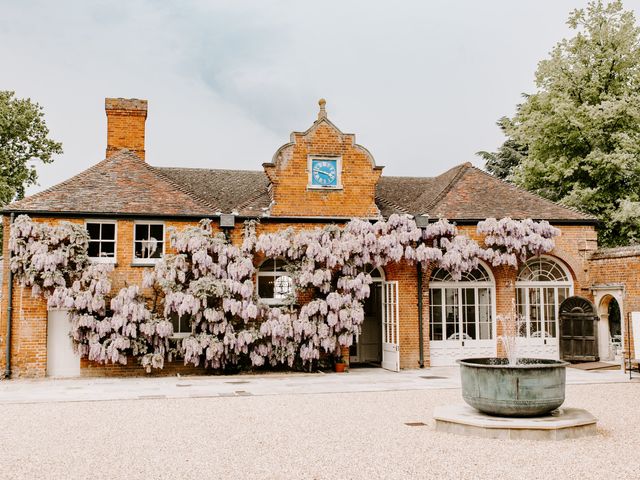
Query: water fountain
[{"x": 514, "y": 397}]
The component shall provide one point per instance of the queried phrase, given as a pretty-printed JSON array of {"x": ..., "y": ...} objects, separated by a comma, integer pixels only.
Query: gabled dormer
[{"x": 322, "y": 172}]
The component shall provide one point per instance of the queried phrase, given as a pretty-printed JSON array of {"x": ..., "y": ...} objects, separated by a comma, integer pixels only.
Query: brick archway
[{"x": 603, "y": 296}]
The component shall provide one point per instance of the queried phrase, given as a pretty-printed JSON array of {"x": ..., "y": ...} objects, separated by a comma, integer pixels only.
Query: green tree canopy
[
  {"x": 577, "y": 139},
  {"x": 23, "y": 140}
]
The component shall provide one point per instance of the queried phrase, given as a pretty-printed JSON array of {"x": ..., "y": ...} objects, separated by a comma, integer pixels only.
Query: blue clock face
[{"x": 324, "y": 173}]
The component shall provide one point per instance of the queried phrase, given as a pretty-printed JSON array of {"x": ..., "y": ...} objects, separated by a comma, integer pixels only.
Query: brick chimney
[{"x": 125, "y": 124}]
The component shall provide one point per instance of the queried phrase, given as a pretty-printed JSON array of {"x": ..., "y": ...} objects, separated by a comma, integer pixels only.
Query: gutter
[
  {"x": 7, "y": 372},
  {"x": 111, "y": 215},
  {"x": 265, "y": 218}
]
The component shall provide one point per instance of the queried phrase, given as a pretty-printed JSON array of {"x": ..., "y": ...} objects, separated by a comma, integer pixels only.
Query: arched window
[
  {"x": 461, "y": 310},
  {"x": 542, "y": 285},
  {"x": 275, "y": 284},
  {"x": 377, "y": 274}
]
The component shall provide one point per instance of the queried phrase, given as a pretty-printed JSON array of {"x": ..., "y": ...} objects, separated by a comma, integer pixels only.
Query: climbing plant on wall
[{"x": 208, "y": 283}]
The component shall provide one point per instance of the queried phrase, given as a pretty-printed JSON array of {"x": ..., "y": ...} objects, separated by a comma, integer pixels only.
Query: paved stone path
[{"x": 357, "y": 380}]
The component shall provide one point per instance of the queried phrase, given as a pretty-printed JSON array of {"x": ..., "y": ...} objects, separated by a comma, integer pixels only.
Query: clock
[{"x": 324, "y": 172}]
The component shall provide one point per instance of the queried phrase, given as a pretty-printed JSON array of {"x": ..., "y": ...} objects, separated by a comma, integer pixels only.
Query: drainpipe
[
  {"x": 420, "y": 332},
  {"x": 7, "y": 372},
  {"x": 422, "y": 222}
]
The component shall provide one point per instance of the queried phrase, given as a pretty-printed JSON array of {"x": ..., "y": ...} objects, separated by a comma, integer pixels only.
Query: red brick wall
[
  {"x": 573, "y": 247},
  {"x": 620, "y": 267}
]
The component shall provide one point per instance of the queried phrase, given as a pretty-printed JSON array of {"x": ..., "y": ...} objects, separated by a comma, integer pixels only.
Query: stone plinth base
[{"x": 561, "y": 424}]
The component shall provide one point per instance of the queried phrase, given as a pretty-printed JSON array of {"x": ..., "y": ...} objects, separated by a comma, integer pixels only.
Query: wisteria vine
[{"x": 208, "y": 282}]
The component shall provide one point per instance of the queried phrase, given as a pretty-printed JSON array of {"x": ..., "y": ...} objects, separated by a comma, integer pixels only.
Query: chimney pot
[{"x": 125, "y": 125}]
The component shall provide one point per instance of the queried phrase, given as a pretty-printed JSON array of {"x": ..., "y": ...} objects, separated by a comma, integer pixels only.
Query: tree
[
  {"x": 23, "y": 139},
  {"x": 577, "y": 138},
  {"x": 509, "y": 155}
]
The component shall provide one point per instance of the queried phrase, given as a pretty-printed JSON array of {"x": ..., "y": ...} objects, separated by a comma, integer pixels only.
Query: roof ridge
[
  {"x": 211, "y": 169},
  {"x": 462, "y": 168},
  {"x": 520, "y": 189},
  {"x": 409, "y": 177}
]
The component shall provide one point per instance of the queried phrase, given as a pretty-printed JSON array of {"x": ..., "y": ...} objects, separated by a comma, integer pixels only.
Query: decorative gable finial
[{"x": 322, "y": 113}]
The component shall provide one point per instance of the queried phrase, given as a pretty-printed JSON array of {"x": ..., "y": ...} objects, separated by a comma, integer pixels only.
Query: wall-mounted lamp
[
  {"x": 422, "y": 220},
  {"x": 227, "y": 220}
]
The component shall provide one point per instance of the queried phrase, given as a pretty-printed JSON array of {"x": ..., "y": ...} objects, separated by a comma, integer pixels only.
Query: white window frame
[
  {"x": 527, "y": 285},
  {"x": 460, "y": 285},
  {"x": 337, "y": 159},
  {"x": 148, "y": 261},
  {"x": 115, "y": 240},
  {"x": 274, "y": 274}
]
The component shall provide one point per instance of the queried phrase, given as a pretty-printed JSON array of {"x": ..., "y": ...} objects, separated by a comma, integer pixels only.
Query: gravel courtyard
[{"x": 315, "y": 436}]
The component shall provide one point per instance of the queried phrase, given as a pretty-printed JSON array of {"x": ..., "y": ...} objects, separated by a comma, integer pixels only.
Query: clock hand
[{"x": 321, "y": 171}]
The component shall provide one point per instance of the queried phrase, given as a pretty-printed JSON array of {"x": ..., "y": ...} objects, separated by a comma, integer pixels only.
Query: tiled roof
[
  {"x": 244, "y": 191},
  {"x": 122, "y": 183},
  {"x": 126, "y": 185},
  {"x": 468, "y": 193}
]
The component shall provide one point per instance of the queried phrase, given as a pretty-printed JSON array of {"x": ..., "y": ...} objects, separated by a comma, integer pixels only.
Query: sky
[{"x": 420, "y": 83}]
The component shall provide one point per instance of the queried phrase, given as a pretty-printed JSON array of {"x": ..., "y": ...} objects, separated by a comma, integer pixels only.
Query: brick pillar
[{"x": 505, "y": 296}]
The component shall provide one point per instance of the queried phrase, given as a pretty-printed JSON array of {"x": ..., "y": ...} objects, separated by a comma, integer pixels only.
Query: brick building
[{"x": 320, "y": 176}]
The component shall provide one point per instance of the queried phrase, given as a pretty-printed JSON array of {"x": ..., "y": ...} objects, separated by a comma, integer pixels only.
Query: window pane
[
  {"x": 138, "y": 249},
  {"x": 484, "y": 297},
  {"x": 486, "y": 330},
  {"x": 436, "y": 322},
  {"x": 142, "y": 232},
  {"x": 265, "y": 286},
  {"x": 157, "y": 232},
  {"x": 185, "y": 324},
  {"x": 451, "y": 314},
  {"x": 550, "y": 312},
  {"x": 563, "y": 294},
  {"x": 108, "y": 249},
  {"x": 108, "y": 231},
  {"x": 469, "y": 312},
  {"x": 436, "y": 296},
  {"x": 268, "y": 265},
  {"x": 155, "y": 248},
  {"x": 94, "y": 231},
  {"x": 94, "y": 249},
  {"x": 534, "y": 313}
]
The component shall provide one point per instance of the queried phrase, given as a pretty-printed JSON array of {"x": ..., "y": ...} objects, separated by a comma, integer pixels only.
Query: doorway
[
  {"x": 62, "y": 360},
  {"x": 367, "y": 349},
  {"x": 610, "y": 328},
  {"x": 578, "y": 330}
]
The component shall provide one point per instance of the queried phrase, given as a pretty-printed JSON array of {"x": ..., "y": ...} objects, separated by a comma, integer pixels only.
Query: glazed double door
[{"x": 379, "y": 339}]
